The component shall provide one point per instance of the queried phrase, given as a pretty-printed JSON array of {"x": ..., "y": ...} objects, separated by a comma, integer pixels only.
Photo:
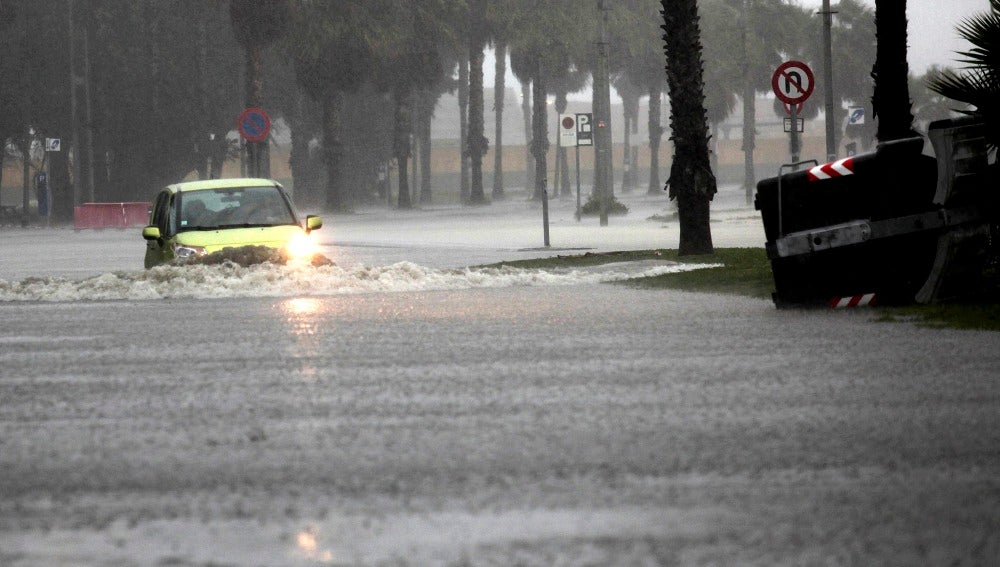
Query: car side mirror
[
  {"x": 313, "y": 222},
  {"x": 151, "y": 233}
]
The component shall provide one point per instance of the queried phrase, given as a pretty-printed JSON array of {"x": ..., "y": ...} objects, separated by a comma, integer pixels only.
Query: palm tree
[
  {"x": 642, "y": 66},
  {"x": 891, "y": 103},
  {"x": 257, "y": 24},
  {"x": 743, "y": 42},
  {"x": 541, "y": 52},
  {"x": 979, "y": 85},
  {"x": 691, "y": 181},
  {"x": 499, "y": 88},
  {"x": 477, "y": 144},
  {"x": 501, "y": 15},
  {"x": 332, "y": 47},
  {"x": 408, "y": 63}
]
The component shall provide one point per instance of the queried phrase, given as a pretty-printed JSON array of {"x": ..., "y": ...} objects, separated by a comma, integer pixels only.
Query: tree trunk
[
  {"x": 25, "y": 178},
  {"x": 61, "y": 188},
  {"x": 539, "y": 135},
  {"x": 476, "y": 141},
  {"x": 627, "y": 107},
  {"x": 88, "y": 109},
  {"x": 425, "y": 114},
  {"x": 401, "y": 146},
  {"x": 562, "y": 167},
  {"x": 891, "y": 103},
  {"x": 499, "y": 86},
  {"x": 655, "y": 134},
  {"x": 254, "y": 85},
  {"x": 333, "y": 151},
  {"x": 298, "y": 161},
  {"x": 529, "y": 161},
  {"x": 463, "y": 121},
  {"x": 691, "y": 180}
]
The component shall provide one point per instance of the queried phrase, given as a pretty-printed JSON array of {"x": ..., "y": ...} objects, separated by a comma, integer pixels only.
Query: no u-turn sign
[{"x": 793, "y": 82}]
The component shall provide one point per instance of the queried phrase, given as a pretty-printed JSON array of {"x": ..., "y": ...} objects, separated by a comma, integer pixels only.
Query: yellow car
[{"x": 200, "y": 217}]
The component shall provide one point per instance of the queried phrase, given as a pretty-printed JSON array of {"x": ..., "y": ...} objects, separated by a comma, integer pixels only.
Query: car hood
[{"x": 214, "y": 240}]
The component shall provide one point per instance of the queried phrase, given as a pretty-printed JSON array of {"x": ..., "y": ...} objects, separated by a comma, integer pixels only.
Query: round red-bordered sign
[
  {"x": 254, "y": 124},
  {"x": 793, "y": 82}
]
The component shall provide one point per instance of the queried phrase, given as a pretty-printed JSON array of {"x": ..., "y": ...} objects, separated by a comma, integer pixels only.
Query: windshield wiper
[
  {"x": 245, "y": 225},
  {"x": 189, "y": 228}
]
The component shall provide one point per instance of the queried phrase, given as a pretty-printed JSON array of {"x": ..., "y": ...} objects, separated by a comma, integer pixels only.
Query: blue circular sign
[{"x": 254, "y": 125}]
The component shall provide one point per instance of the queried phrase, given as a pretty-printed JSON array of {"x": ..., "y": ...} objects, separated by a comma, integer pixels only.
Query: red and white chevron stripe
[
  {"x": 865, "y": 300},
  {"x": 839, "y": 168}
]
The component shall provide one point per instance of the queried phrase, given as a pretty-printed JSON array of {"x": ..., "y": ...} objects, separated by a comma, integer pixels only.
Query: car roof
[{"x": 222, "y": 184}]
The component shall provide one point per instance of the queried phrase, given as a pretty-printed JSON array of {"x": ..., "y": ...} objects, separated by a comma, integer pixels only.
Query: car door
[{"x": 160, "y": 250}]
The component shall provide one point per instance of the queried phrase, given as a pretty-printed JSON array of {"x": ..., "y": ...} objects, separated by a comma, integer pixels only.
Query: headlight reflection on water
[
  {"x": 300, "y": 306},
  {"x": 301, "y": 316},
  {"x": 308, "y": 545}
]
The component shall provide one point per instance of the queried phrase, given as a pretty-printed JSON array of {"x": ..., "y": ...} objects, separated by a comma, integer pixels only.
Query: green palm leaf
[{"x": 978, "y": 84}]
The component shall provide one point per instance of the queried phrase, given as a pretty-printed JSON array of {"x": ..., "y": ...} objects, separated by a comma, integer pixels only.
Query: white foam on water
[{"x": 270, "y": 280}]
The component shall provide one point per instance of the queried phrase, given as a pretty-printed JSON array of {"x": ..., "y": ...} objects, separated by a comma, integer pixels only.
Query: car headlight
[
  {"x": 184, "y": 251},
  {"x": 300, "y": 247}
]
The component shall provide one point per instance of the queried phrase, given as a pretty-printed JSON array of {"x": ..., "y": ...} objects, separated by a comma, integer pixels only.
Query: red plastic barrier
[{"x": 110, "y": 215}]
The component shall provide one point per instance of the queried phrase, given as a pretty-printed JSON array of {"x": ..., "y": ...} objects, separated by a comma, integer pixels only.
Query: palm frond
[{"x": 978, "y": 84}]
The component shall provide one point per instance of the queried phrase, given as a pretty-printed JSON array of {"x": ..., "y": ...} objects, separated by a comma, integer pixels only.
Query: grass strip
[{"x": 747, "y": 271}]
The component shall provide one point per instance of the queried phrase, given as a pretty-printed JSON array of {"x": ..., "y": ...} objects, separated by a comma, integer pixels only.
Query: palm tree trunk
[
  {"x": 463, "y": 121},
  {"x": 401, "y": 146},
  {"x": 333, "y": 150},
  {"x": 539, "y": 135},
  {"x": 477, "y": 140},
  {"x": 691, "y": 180},
  {"x": 891, "y": 103},
  {"x": 529, "y": 161},
  {"x": 423, "y": 131},
  {"x": 499, "y": 86},
  {"x": 562, "y": 165},
  {"x": 655, "y": 134}
]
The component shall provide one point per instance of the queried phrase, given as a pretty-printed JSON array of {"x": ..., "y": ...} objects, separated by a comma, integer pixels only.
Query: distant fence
[{"x": 110, "y": 215}]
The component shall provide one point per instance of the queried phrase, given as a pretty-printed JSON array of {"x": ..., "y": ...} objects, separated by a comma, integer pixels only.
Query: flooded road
[
  {"x": 400, "y": 409},
  {"x": 590, "y": 424}
]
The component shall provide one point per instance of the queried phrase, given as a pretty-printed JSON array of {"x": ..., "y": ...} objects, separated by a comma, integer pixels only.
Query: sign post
[
  {"x": 792, "y": 83},
  {"x": 254, "y": 126},
  {"x": 576, "y": 130}
]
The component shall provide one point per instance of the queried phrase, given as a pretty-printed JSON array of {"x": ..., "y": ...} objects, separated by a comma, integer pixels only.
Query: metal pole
[
  {"x": 74, "y": 116},
  {"x": 545, "y": 212},
  {"x": 831, "y": 148},
  {"x": 578, "y": 182},
  {"x": 749, "y": 108},
  {"x": 603, "y": 135},
  {"x": 88, "y": 115},
  {"x": 795, "y": 133},
  {"x": 557, "y": 155}
]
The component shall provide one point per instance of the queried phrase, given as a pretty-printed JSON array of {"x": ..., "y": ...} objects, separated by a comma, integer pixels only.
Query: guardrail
[{"x": 111, "y": 215}]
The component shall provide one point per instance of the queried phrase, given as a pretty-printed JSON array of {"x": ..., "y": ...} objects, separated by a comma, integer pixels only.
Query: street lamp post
[
  {"x": 602, "y": 115},
  {"x": 831, "y": 148}
]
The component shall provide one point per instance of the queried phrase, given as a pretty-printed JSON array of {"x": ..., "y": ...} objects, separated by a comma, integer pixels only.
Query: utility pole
[
  {"x": 74, "y": 115},
  {"x": 831, "y": 148},
  {"x": 88, "y": 113},
  {"x": 749, "y": 107},
  {"x": 602, "y": 114}
]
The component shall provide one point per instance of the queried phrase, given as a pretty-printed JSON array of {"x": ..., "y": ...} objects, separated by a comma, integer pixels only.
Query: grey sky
[
  {"x": 933, "y": 39},
  {"x": 932, "y": 32}
]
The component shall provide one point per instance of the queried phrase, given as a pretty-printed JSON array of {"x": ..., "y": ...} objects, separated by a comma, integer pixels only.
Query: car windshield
[{"x": 233, "y": 207}]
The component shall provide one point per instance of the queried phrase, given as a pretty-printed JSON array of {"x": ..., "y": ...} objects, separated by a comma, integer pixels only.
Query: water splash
[{"x": 274, "y": 280}]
